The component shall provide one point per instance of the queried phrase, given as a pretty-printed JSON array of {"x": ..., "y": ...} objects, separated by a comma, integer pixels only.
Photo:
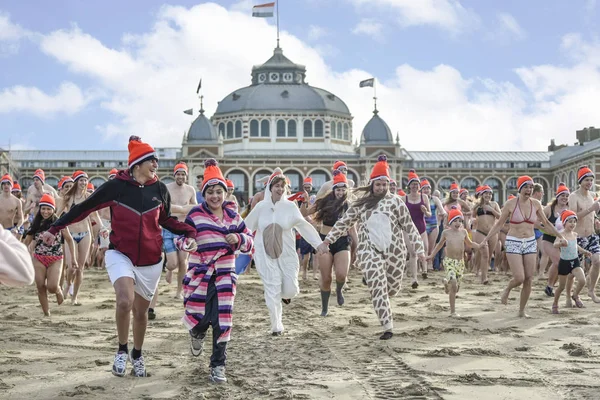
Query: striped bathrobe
[{"x": 214, "y": 257}]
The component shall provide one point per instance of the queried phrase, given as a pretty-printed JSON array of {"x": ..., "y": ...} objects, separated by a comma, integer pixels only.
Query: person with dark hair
[
  {"x": 140, "y": 204},
  {"x": 199, "y": 197},
  {"x": 48, "y": 259},
  {"x": 274, "y": 219},
  {"x": 381, "y": 256},
  {"x": 11, "y": 208},
  {"x": 485, "y": 213}
]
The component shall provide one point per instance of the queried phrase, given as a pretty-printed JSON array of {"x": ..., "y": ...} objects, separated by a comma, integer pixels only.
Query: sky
[{"x": 451, "y": 74}]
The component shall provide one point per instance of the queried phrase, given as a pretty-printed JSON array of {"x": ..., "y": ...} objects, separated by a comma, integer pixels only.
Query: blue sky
[{"x": 79, "y": 75}]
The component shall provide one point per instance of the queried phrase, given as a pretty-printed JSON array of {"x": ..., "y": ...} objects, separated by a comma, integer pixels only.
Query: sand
[{"x": 488, "y": 353}]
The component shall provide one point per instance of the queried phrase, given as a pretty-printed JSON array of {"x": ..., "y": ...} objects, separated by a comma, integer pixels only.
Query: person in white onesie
[{"x": 275, "y": 256}]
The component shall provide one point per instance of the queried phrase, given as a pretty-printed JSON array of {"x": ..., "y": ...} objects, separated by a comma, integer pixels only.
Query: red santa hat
[
  {"x": 380, "y": 170},
  {"x": 583, "y": 172},
  {"x": 562, "y": 189},
  {"x": 79, "y": 174},
  {"x": 425, "y": 183},
  {"x": 64, "y": 180},
  {"x": 90, "y": 187},
  {"x": 339, "y": 179},
  {"x": 39, "y": 173},
  {"x": 212, "y": 175},
  {"x": 401, "y": 193},
  {"x": 512, "y": 196},
  {"x": 307, "y": 181},
  {"x": 16, "y": 187},
  {"x": 113, "y": 172},
  {"x": 229, "y": 184},
  {"x": 567, "y": 215},
  {"x": 412, "y": 176},
  {"x": 339, "y": 164},
  {"x": 139, "y": 151},
  {"x": 180, "y": 167},
  {"x": 462, "y": 191},
  {"x": 485, "y": 189},
  {"x": 7, "y": 179},
  {"x": 453, "y": 187},
  {"x": 454, "y": 214},
  {"x": 522, "y": 181},
  {"x": 48, "y": 200}
]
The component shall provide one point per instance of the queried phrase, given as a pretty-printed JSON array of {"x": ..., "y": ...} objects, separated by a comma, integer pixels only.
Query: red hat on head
[
  {"x": 522, "y": 181},
  {"x": 401, "y": 193},
  {"x": 562, "y": 189},
  {"x": 90, "y": 187},
  {"x": 584, "y": 172},
  {"x": 64, "y": 180},
  {"x": 180, "y": 167},
  {"x": 512, "y": 196},
  {"x": 567, "y": 215},
  {"x": 453, "y": 187},
  {"x": 276, "y": 173},
  {"x": 412, "y": 176},
  {"x": 454, "y": 214},
  {"x": 307, "y": 181},
  {"x": 380, "y": 170},
  {"x": 39, "y": 173},
  {"x": 339, "y": 179},
  {"x": 478, "y": 190},
  {"x": 113, "y": 172},
  {"x": 47, "y": 200},
  {"x": 463, "y": 190},
  {"x": 16, "y": 187},
  {"x": 212, "y": 175},
  {"x": 79, "y": 174},
  {"x": 484, "y": 189},
  {"x": 393, "y": 182},
  {"x": 7, "y": 179},
  {"x": 139, "y": 151},
  {"x": 425, "y": 183},
  {"x": 339, "y": 164},
  {"x": 229, "y": 184}
]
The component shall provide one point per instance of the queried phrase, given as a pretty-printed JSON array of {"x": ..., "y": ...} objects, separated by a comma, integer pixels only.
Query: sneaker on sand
[
  {"x": 120, "y": 364},
  {"x": 139, "y": 367},
  {"x": 217, "y": 374},
  {"x": 196, "y": 344}
]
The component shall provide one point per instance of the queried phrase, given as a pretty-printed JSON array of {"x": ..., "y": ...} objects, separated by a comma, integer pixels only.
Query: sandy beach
[{"x": 487, "y": 353}]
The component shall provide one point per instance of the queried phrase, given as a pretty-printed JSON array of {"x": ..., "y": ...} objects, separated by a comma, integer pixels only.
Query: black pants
[{"x": 211, "y": 317}]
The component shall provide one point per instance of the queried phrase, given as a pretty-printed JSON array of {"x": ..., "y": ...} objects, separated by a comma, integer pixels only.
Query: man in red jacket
[{"x": 139, "y": 204}]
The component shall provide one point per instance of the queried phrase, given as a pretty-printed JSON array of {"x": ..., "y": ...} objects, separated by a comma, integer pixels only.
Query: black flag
[{"x": 199, "y": 86}]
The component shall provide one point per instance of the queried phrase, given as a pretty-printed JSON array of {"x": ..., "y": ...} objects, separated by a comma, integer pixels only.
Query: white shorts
[{"x": 145, "y": 279}]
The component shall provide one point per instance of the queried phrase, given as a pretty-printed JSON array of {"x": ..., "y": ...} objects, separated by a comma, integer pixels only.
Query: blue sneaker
[{"x": 120, "y": 364}]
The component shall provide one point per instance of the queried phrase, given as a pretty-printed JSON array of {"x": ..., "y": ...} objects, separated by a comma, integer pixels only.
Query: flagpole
[
  {"x": 277, "y": 23},
  {"x": 375, "y": 93}
]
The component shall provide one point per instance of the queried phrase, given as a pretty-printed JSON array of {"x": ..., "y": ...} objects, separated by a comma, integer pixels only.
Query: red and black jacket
[{"x": 137, "y": 214}]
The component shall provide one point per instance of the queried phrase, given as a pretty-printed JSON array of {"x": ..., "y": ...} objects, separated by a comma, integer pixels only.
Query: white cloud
[
  {"x": 10, "y": 35},
  {"x": 448, "y": 15},
  {"x": 153, "y": 77},
  {"x": 68, "y": 99},
  {"x": 368, "y": 27},
  {"x": 316, "y": 32},
  {"x": 507, "y": 29}
]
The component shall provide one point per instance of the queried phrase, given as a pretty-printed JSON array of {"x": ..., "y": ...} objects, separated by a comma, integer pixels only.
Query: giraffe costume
[{"x": 381, "y": 253}]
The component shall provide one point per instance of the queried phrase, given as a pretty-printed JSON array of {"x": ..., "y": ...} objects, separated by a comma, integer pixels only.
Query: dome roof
[
  {"x": 266, "y": 97},
  {"x": 202, "y": 130},
  {"x": 377, "y": 131}
]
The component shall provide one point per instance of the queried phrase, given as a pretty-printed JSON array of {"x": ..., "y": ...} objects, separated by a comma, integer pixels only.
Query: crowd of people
[{"x": 134, "y": 226}]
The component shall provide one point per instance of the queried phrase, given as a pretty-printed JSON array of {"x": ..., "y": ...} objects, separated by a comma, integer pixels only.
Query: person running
[
  {"x": 199, "y": 180},
  {"x": 326, "y": 187},
  {"x": 485, "y": 212},
  {"x": 553, "y": 212},
  {"x": 305, "y": 249},
  {"x": 274, "y": 220},
  {"x": 582, "y": 202},
  {"x": 455, "y": 238},
  {"x": 11, "y": 208},
  {"x": 520, "y": 245},
  {"x": 431, "y": 222},
  {"x": 210, "y": 281},
  {"x": 48, "y": 259},
  {"x": 16, "y": 191},
  {"x": 568, "y": 265},
  {"x": 381, "y": 256},
  {"x": 64, "y": 185},
  {"x": 230, "y": 196},
  {"x": 419, "y": 209},
  {"x": 16, "y": 267},
  {"x": 139, "y": 205},
  {"x": 35, "y": 193},
  {"x": 328, "y": 210}
]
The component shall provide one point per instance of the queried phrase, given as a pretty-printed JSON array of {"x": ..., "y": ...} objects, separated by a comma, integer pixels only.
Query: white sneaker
[
  {"x": 196, "y": 345},
  {"x": 120, "y": 364},
  {"x": 139, "y": 367},
  {"x": 217, "y": 374}
]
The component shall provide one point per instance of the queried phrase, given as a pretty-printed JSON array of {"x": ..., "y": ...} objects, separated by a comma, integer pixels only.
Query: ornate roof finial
[{"x": 201, "y": 104}]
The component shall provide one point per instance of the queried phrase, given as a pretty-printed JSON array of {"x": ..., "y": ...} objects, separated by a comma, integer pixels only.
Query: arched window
[
  {"x": 511, "y": 186},
  {"x": 572, "y": 181},
  {"x": 258, "y": 186},
  {"x": 281, "y": 128},
  {"x": 333, "y": 130},
  {"x": 308, "y": 128},
  {"x": 240, "y": 182},
  {"x": 470, "y": 184},
  {"x": 230, "y": 130},
  {"x": 431, "y": 182},
  {"x": 254, "y": 128},
  {"x": 351, "y": 176},
  {"x": 295, "y": 180},
  {"x": 555, "y": 183},
  {"x": 238, "y": 129},
  {"x": 265, "y": 128},
  {"x": 444, "y": 185},
  {"x": 339, "y": 130},
  {"x": 291, "y": 128},
  {"x": 346, "y": 131},
  {"x": 52, "y": 181},
  {"x": 319, "y": 178},
  {"x": 97, "y": 182},
  {"x": 318, "y": 128},
  {"x": 222, "y": 129}
]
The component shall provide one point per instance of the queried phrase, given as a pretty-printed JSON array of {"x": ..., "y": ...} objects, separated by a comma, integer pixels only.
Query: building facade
[{"x": 281, "y": 121}]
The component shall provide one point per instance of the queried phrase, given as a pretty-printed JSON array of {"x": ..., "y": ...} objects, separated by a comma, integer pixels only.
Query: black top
[{"x": 331, "y": 219}]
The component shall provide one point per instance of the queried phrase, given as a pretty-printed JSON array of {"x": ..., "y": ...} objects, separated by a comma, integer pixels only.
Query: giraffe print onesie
[{"x": 381, "y": 253}]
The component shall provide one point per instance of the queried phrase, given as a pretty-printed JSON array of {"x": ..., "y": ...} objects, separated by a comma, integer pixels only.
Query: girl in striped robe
[{"x": 210, "y": 283}]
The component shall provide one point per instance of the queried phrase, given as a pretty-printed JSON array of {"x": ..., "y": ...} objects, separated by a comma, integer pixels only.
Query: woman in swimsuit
[
  {"x": 327, "y": 210},
  {"x": 553, "y": 212},
  {"x": 453, "y": 201},
  {"x": 47, "y": 259},
  {"x": 431, "y": 223},
  {"x": 418, "y": 206},
  {"x": 485, "y": 212},
  {"x": 80, "y": 232},
  {"x": 520, "y": 245}
]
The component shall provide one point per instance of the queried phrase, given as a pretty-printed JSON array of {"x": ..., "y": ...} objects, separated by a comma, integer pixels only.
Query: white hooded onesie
[{"x": 275, "y": 250}]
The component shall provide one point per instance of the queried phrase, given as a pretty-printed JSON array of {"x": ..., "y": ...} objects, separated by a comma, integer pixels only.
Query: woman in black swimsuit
[{"x": 486, "y": 212}]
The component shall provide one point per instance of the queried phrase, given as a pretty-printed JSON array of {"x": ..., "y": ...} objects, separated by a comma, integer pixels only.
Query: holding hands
[
  {"x": 323, "y": 247},
  {"x": 190, "y": 245}
]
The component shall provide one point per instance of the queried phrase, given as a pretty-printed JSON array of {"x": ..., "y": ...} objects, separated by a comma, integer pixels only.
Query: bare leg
[
  {"x": 83, "y": 249},
  {"x": 124, "y": 293},
  {"x": 325, "y": 264},
  {"x": 529, "y": 263},
  {"x": 562, "y": 282},
  {"x": 453, "y": 289},
  {"x": 515, "y": 262},
  {"x": 181, "y": 271},
  {"x": 52, "y": 280},
  {"x": 172, "y": 265},
  {"x": 593, "y": 277},
  {"x": 40, "y": 283}
]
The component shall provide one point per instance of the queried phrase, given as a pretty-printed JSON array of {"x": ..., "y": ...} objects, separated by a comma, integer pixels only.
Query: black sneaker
[
  {"x": 151, "y": 314},
  {"x": 549, "y": 291}
]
